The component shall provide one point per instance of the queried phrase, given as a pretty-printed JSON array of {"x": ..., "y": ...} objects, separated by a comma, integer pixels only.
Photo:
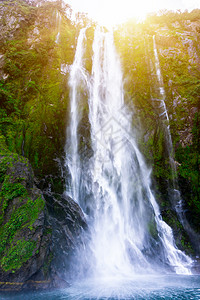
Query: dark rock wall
[{"x": 24, "y": 235}]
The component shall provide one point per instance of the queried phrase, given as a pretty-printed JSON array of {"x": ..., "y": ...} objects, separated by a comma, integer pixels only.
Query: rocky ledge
[{"x": 38, "y": 231}]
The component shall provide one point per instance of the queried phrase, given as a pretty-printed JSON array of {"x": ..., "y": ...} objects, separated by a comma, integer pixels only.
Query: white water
[
  {"x": 77, "y": 79},
  {"x": 123, "y": 212},
  {"x": 163, "y": 109},
  {"x": 176, "y": 199},
  {"x": 163, "y": 114}
]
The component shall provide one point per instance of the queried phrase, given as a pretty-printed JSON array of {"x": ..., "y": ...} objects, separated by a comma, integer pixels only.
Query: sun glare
[
  {"x": 113, "y": 12},
  {"x": 121, "y": 11}
]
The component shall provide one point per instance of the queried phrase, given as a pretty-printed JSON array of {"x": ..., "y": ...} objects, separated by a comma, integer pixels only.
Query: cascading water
[
  {"x": 175, "y": 196},
  {"x": 163, "y": 109},
  {"x": 127, "y": 233},
  {"x": 77, "y": 79}
]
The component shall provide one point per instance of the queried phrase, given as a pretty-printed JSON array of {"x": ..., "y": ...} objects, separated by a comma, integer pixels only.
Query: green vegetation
[
  {"x": 34, "y": 100},
  {"x": 34, "y": 97},
  {"x": 22, "y": 217},
  {"x": 33, "y": 91},
  {"x": 177, "y": 38},
  {"x": 189, "y": 157},
  {"x": 18, "y": 212},
  {"x": 25, "y": 215},
  {"x": 17, "y": 255},
  {"x": 10, "y": 191}
]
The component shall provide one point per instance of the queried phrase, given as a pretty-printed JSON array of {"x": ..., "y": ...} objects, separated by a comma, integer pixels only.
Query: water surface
[{"x": 141, "y": 287}]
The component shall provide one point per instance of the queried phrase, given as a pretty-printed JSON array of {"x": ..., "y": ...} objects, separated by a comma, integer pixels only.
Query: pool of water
[{"x": 142, "y": 287}]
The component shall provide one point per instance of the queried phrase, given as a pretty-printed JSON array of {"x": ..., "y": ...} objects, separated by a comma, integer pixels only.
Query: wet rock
[
  {"x": 35, "y": 245},
  {"x": 24, "y": 235},
  {"x": 68, "y": 224}
]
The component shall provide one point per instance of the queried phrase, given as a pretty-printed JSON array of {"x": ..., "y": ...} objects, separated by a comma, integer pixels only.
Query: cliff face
[
  {"x": 180, "y": 59},
  {"x": 177, "y": 42},
  {"x": 37, "y": 49},
  {"x": 179, "y": 54},
  {"x": 36, "y": 244},
  {"x": 34, "y": 70},
  {"x": 24, "y": 235}
]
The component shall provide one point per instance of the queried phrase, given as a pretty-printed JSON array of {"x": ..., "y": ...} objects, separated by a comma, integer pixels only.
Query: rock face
[
  {"x": 179, "y": 62},
  {"x": 31, "y": 68},
  {"x": 177, "y": 41},
  {"x": 24, "y": 234},
  {"x": 12, "y": 16},
  {"x": 68, "y": 225},
  {"x": 35, "y": 245},
  {"x": 40, "y": 230}
]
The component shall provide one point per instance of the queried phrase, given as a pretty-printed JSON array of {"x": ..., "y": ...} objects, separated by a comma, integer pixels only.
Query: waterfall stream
[
  {"x": 175, "y": 196},
  {"x": 77, "y": 78},
  {"x": 163, "y": 110},
  {"x": 127, "y": 235}
]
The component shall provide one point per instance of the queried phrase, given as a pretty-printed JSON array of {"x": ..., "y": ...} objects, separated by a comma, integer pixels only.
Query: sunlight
[{"x": 113, "y": 12}]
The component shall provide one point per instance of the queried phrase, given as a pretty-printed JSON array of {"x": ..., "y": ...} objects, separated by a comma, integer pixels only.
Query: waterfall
[
  {"x": 77, "y": 79},
  {"x": 127, "y": 235},
  {"x": 175, "y": 196},
  {"x": 163, "y": 114}
]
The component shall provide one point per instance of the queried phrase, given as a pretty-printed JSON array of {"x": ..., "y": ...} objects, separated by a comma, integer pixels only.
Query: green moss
[
  {"x": 3, "y": 169},
  {"x": 17, "y": 254},
  {"x": 21, "y": 217},
  {"x": 35, "y": 90},
  {"x": 7, "y": 161},
  {"x": 3, "y": 146},
  {"x": 10, "y": 191}
]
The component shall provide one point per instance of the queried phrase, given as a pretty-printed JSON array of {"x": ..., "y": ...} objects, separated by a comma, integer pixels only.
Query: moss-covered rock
[
  {"x": 33, "y": 81},
  {"x": 177, "y": 39},
  {"x": 24, "y": 235}
]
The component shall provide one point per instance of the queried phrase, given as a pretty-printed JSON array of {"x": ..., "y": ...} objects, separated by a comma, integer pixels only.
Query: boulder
[{"x": 25, "y": 235}]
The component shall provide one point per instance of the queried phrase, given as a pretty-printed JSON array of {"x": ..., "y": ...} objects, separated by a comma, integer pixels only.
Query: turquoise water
[{"x": 153, "y": 287}]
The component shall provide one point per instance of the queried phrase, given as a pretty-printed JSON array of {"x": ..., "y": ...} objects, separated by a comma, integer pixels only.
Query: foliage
[
  {"x": 179, "y": 57},
  {"x": 166, "y": 17},
  {"x": 21, "y": 217},
  {"x": 33, "y": 104},
  {"x": 10, "y": 191},
  {"x": 177, "y": 39},
  {"x": 17, "y": 254},
  {"x": 189, "y": 169},
  {"x": 34, "y": 96},
  {"x": 18, "y": 211}
]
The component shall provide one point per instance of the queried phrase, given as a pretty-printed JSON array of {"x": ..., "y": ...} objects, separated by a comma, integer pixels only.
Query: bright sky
[{"x": 111, "y": 12}]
